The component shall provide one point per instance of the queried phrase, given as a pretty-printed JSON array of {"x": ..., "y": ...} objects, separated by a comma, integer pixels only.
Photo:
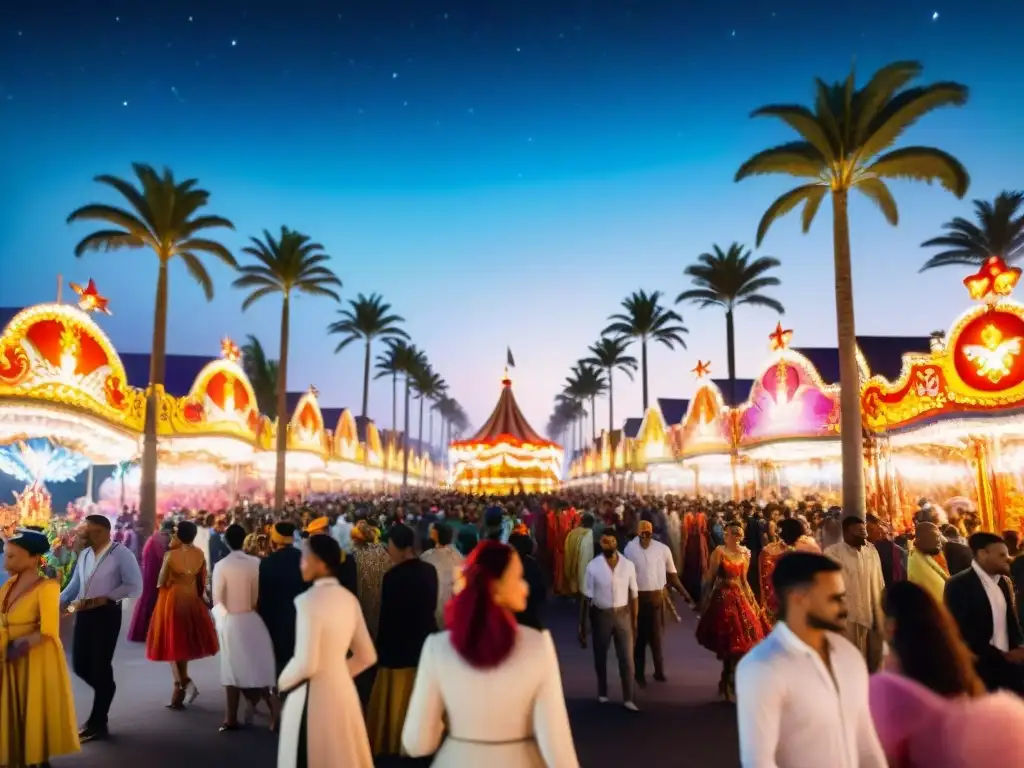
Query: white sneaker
[
  {"x": 602, "y": 699},
  {"x": 631, "y": 706}
]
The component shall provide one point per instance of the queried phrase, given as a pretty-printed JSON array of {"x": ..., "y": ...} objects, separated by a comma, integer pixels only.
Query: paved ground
[{"x": 680, "y": 722}]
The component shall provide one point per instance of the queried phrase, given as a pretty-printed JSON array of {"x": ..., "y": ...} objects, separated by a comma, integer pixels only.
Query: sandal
[{"x": 225, "y": 727}]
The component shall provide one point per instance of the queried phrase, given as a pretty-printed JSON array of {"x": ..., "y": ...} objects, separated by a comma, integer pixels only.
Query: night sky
[{"x": 503, "y": 172}]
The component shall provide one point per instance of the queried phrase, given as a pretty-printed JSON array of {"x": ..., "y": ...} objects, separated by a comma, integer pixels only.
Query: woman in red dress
[
  {"x": 731, "y": 621},
  {"x": 793, "y": 537},
  {"x": 181, "y": 629}
]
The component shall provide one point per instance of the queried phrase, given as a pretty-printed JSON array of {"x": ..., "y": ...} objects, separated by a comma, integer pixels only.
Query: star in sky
[{"x": 935, "y": 16}]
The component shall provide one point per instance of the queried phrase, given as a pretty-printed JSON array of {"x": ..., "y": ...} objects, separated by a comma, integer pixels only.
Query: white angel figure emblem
[{"x": 994, "y": 357}]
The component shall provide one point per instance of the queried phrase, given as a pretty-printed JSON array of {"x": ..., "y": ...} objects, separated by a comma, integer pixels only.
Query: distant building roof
[
  {"x": 179, "y": 373},
  {"x": 631, "y": 427},
  {"x": 673, "y": 409},
  {"x": 883, "y": 355},
  {"x": 743, "y": 387}
]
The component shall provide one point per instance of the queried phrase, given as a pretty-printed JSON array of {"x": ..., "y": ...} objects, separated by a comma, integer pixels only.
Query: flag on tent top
[{"x": 510, "y": 361}]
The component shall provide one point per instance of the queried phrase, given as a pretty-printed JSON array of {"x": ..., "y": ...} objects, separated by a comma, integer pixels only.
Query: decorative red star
[
  {"x": 994, "y": 279},
  {"x": 229, "y": 350},
  {"x": 780, "y": 337},
  {"x": 701, "y": 369},
  {"x": 89, "y": 299}
]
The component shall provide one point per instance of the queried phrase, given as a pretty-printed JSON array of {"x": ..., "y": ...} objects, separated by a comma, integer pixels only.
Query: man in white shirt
[
  {"x": 609, "y": 587},
  {"x": 655, "y": 568},
  {"x": 862, "y": 574},
  {"x": 802, "y": 693}
]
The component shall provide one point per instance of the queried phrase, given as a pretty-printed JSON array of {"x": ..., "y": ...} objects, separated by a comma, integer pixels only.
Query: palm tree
[
  {"x": 389, "y": 364},
  {"x": 999, "y": 232},
  {"x": 262, "y": 374},
  {"x": 290, "y": 264},
  {"x": 646, "y": 320},
  {"x": 844, "y": 144},
  {"x": 610, "y": 354},
  {"x": 728, "y": 279},
  {"x": 408, "y": 361},
  {"x": 163, "y": 215},
  {"x": 366, "y": 318},
  {"x": 428, "y": 385},
  {"x": 586, "y": 382}
]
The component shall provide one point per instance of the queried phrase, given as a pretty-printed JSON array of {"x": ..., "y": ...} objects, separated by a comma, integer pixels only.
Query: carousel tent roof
[
  {"x": 507, "y": 420},
  {"x": 743, "y": 387},
  {"x": 883, "y": 354},
  {"x": 673, "y": 409},
  {"x": 631, "y": 427}
]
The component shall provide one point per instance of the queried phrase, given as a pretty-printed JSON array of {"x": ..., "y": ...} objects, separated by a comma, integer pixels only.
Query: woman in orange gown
[
  {"x": 731, "y": 621},
  {"x": 793, "y": 537},
  {"x": 181, "y": 629},
  {"x": 694, "y": 550}
]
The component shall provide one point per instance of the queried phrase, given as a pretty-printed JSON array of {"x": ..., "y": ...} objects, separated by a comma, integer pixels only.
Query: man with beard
[
  {"x": 802, "y": 693},
  {"x": 926, "y": 565},
  {"x": 980, "y": 599},
  {"x": 610, "y": 592},
  {"x": 892, "y": 556},
  {"x": 862, "y": 574}
]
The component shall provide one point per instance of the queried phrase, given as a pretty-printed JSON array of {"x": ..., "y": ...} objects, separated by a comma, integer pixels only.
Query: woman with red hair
[{"x": 485, "y": 664}]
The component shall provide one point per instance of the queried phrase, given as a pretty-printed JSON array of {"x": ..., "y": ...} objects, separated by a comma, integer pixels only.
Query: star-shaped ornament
[
  {"x": 701, "y": 369},
  {"x": 780, "y": 337},
  {"x": 229, "y": 350},
  {"x": 89, "y": 299}
]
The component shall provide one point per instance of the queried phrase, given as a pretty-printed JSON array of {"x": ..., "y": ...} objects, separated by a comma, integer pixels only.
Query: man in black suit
[
  {"x": 279, "y": 584},
  {"x": 981, "y": 600}
]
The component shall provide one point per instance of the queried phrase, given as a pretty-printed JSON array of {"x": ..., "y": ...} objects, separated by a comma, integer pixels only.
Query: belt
[{"x": 524, "y": 740}]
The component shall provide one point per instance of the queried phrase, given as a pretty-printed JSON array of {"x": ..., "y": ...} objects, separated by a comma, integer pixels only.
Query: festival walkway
[{"x": 680, "y": 722}]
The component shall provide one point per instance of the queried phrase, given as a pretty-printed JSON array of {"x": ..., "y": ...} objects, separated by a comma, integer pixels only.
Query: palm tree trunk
[
  {"x": 280, "y": 473},
  {"x": 730, "y": 348},
  {"x": 157, "y": 366},
  {"x": 849, "y": 376},
  {"x": 419, "y": 435},
  {"x": 611, "y": 422},
  {"x": 366, "y": 379},
  {"x": 593, "y": 418},
  {"x": 405, "y": 441},
  {"x": 394, "y": 402},
  {"x": 643, "y": 367},
  {"x": 430, "y": 427}
]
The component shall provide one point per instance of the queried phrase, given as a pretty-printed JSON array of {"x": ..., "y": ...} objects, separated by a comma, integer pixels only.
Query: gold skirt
[{"x": 385, "y": 714}]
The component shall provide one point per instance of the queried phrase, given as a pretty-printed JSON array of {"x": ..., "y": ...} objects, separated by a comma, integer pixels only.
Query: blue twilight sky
[{"x": 503, "y": 172}]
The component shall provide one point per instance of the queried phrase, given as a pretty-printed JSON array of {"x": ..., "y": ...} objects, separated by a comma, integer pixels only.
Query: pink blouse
[{"x": 920, "y": 729}]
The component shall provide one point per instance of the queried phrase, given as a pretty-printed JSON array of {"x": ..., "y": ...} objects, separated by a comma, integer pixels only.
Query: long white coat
[
  {"x": 512, "y": 716},
  {"x": 329, "y": 623}
]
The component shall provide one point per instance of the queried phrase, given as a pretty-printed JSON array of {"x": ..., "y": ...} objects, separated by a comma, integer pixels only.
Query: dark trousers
[
  {"x": 92, "y": 656},
  {"x": 613, "y": 625},
  {"x": 650, "y": 628}
]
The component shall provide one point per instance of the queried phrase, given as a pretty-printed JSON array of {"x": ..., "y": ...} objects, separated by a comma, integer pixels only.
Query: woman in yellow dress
[{"x": 37, "y": 710}]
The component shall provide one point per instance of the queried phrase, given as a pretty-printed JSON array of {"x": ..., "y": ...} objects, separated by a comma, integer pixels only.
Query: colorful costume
[
  {"x": 695, "y": 551},
  {"x": 181, "y": 628},
  {"x": 36, "y": 703},
  {"x": 732, "y": 623},
  {"x": 152, "y": 561}
]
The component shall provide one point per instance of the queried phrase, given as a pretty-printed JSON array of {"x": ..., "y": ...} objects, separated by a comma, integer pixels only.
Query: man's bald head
[{"x": 927, "y": 538}]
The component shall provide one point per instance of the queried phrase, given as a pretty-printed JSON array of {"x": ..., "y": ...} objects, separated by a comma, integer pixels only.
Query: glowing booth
[
  {"x": 307, "y": 445},
  {"x": 506, "y": 454},
  {"x": 653, "y": 459},
  {"x": 952, "y": 424},
  {"x": 708, "y": 440},
  {"x": 789, "y": 426}
]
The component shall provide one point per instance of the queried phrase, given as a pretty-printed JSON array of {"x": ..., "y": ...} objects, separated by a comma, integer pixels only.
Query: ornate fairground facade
[
  {"x": 947, "y": 425},
  {"x": 506, "y": 455},
  {"x": 67, "y": 405}
]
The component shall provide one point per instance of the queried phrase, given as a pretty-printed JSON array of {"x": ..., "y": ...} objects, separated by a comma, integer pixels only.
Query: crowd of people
[{"x": 437, "y": 601}]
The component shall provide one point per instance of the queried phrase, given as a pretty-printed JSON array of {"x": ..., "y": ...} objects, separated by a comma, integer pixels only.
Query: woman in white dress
[
  {"x": 487, "y": 664},
  {"x": 319, "y": 678},
  {"x": 246, "y": 653}
]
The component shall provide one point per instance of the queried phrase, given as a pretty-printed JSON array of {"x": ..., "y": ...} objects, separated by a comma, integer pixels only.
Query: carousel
[
  {"x": 506, "y": 455},
  {"x": 950, "y": 429},
  {"x": 788, "y": 429},
  {"x": 66, "y": 406},
  {"x": 707, "y": 440}
]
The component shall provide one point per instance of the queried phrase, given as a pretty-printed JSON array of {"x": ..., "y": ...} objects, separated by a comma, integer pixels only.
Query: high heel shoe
[
  {"x": 192, "y": 693},
  {"x": 177, "y": 697}
]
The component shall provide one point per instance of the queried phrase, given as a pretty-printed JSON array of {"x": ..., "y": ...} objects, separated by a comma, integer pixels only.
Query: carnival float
[
  {"x": 952, "y": 423},
  {"x": 506, "y": 455},
  {"x": 67, "y": 405},
  {"x": 707, "y": 440}
]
